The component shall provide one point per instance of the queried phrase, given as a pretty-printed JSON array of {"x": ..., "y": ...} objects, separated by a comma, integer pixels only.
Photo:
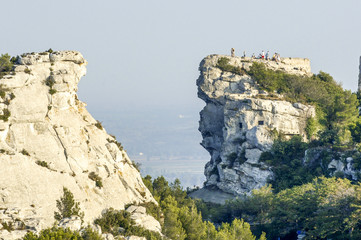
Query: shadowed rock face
[
  {"x": 50, "y": 141},
  {"x": 239, "y": 121}
]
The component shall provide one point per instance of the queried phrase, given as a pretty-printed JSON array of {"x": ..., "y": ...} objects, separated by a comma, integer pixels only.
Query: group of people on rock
[{"x": 264, "y": 56}]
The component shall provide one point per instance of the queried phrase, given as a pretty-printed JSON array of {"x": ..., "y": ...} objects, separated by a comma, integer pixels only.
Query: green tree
[
  {"x": 5, "y": 64},
  {"x": 67, "y": 206},
  {"x": 192, "y": 223},
  {"x": 211, "y": 232},
  {"x": 177, "y": 190},
  {"x": 172, "y": 224},
  {"x": 161, "y": 188},
  {"x": 355, "y": 129},
  {"x": 238, "y": 230},
  {"x": 54, "y": 234},
  {"x": 147, "y": 180}
]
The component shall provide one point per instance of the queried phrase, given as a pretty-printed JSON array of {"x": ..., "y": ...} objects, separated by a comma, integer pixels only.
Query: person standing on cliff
[
  {"x": 267, "y": 55},
  {"x": 244, "y": 54},
  {"x": 278, "y": 57},
  {"x": 262, "y": 55},
  {"x": 232, "y": 52},
  {"x": 274, "y": 57}
]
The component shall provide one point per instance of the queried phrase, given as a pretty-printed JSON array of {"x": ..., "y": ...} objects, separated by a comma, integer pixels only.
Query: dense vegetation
[
  {"x": 55, "y": 233},
  {"x": 118, "y": 222},
  {"x": 336, "y": 107},
  {"x": 223, "y": 64},
  {"x": 180, "y": 218},
  {"x": 324, "y": 208}
]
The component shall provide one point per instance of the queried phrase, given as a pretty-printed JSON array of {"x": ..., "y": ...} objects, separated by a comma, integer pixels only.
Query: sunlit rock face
[
  {"x": 50, "y": 141},
  {"x": 240, "y": 121}
]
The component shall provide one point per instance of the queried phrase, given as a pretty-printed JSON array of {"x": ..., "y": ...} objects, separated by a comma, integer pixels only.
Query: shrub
[
  {"x": 5, "y": 64},
  {"x": 43, "y": 164},
  {"x": 136, "y": 165},
  {"x": 310, "y": 127},
  {"x": 14, "y": 60},
  {"x": 5, "y": 116},
  {"x": 99, "y": 125},
  {"x": 7, "y": 226},
  {"x": 57, "y": 233},
  {"x": 52, "y": 91},
  {"x": 119, "y": 222},
  {"x": 89, "y": 234},
  {"x": 50, "y": 50},
  {"x": 50, "y": 82},
  {"x": 27, "y": 70},
  {"x": 12, "y": 96},
  {"x": 111, "y": 220},
  {"x": 223, "y": 64},
  {"x": 54, "y": 233},
  {"x": 67, "y": 206},
  {"x": 96, "y": 178},
  {"x": 152, "y": 209},
  {"x": 119, "y": 145},
  {"x": 24, "y": 152}
]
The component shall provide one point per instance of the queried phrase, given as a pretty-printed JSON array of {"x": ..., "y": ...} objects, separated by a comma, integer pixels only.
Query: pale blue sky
[{"x": 146, "y": 53}]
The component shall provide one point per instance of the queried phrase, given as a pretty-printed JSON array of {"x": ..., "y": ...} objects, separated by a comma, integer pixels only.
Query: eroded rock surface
[
  {"x": 240, "y": 120},
  {"x": 50, "y": 141}
]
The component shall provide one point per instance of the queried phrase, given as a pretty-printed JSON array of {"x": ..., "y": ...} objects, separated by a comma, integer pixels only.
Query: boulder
[{"x": 142, "y": 219}]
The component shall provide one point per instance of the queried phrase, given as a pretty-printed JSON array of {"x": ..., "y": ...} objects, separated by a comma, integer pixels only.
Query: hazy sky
[{"x": 145, "y": 53}]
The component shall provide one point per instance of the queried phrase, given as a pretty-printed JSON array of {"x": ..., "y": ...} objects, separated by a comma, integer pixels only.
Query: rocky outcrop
[
  {"x": 240, "y": 121},
  {"x": 48, "y": 141},
  {"x": 142, "y": 219},
  {"x": 339, "y": 164}
]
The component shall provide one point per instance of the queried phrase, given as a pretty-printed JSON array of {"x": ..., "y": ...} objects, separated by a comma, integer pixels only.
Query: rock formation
[
  {"x": 48, "y": 141},
  {"x": 240, "y": 120}
]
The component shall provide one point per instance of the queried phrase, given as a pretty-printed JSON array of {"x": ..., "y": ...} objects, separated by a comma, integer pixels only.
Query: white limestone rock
[
  {"x": 142, "y": 219},
  {"x": 73, "y": 223},
  {"x": 337, "y": 165},
  {"x": 57, "y": 129},
  {"x": 135, "y": 238},
  {"x": 239, "y": 120}
]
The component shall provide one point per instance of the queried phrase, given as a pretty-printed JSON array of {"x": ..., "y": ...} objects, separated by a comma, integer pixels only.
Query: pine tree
[{"x": 67, "y": 206}]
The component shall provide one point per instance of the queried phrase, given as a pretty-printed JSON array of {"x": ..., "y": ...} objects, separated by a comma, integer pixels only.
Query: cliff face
[
  {"x": 239, "y": 121},
  {"x": 50, "y": 141}
]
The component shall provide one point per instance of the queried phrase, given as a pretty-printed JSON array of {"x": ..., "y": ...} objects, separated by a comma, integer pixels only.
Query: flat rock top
[
  {"x": 298, "y": 66},
  {"x": 70, "y": 56}
]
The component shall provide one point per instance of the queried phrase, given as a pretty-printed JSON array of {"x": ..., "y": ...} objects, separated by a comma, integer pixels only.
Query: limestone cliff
[
  {"x": 239, "y": 121},
  {"x": 48, "y": 141}
]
